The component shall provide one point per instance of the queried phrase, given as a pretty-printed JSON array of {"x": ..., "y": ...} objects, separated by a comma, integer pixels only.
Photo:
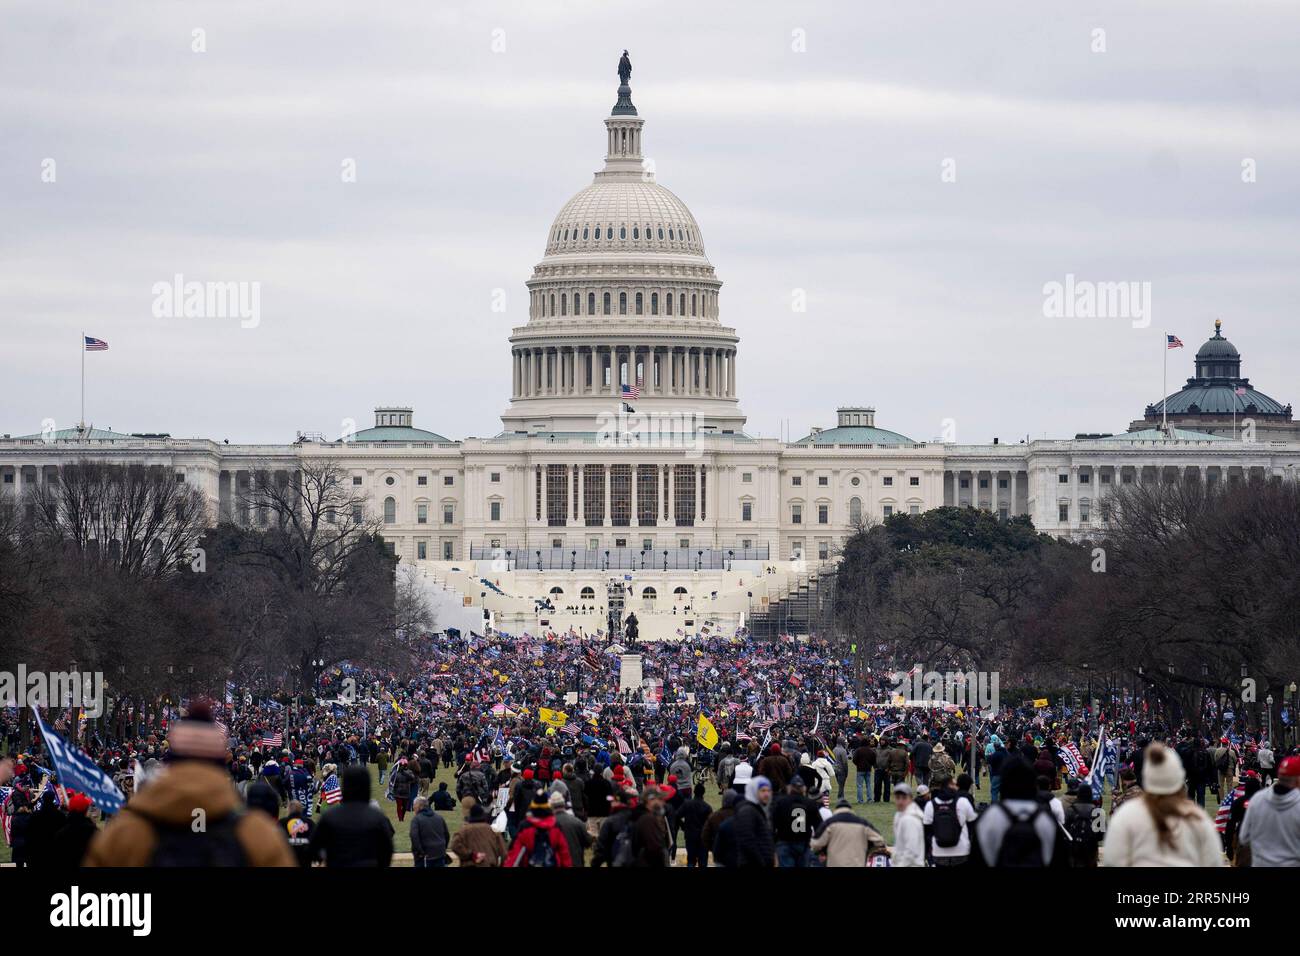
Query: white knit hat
[{"x": 1164, "y": 774}]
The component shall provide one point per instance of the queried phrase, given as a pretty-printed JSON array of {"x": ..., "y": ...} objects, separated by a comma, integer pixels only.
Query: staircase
[{"x": 803, "y": 608}]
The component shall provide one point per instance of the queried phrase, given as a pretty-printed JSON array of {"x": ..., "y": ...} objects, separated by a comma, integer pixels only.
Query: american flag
[
  {"x": 1240, "y": 390},
  {"x": 273, "y": 740},
  {"x": 1225, "y": 808},
  {"x": 95, "y": 345},
  {"x": 6, "y": 821},
  {"x": 632, "y": 391},
  {"x": 330, "y": 789},
  {"x": 1173, "y": 342}
]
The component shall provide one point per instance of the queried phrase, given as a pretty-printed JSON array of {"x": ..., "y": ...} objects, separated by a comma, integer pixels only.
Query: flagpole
[
  {"x": 82, "y": 423},
  {"x": 1164, "y": 389}
]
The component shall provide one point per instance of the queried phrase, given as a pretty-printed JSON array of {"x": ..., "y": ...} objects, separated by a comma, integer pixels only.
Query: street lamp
[{"x": 1269, "y": 701}]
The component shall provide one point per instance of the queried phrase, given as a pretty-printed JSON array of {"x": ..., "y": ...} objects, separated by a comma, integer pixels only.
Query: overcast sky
[{"x": 817, "y": 169}]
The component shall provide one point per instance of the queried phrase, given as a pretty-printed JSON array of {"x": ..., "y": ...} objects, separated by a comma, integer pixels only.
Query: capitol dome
[
  {"x": 623, "y": 306},
  {"x": 625, "y": 216}
]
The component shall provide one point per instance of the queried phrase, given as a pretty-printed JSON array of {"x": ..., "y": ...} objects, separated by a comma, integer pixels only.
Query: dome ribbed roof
[
  {"x": 855, "y": 435},
  {"x": 620, "y": 215},
  {"x": 1211, "y": 398}
]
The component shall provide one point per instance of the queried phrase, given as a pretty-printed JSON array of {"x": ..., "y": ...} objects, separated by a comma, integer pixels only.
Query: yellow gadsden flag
[
  {"x": 1040, "y": 702},
  {"x": 706, "y": 733},
  {"x": 552, "y": 718}
]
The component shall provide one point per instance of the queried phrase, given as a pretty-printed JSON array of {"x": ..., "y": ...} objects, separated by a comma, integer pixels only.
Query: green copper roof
[
  {"x": 76, "y": 434},
  {"x": 398, "y": 433},
  {"x": 855, "y": 435},
  {"x": 1156, "y": 434}
]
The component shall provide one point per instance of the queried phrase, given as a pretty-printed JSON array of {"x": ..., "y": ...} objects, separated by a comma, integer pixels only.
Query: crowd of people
[{"x": 733, "y": 753}]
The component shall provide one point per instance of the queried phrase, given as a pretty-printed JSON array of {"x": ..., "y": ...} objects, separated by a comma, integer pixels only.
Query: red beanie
[
  {"x": 528, "y": 774},
  {"x": 78, "y": 803}
]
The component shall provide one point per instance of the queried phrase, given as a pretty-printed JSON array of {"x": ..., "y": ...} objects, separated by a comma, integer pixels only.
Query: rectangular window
[
  {"x": 647, "y": 544},
  {"x": 796, "y": 514},
  {"x": 914, "y": 509},
  {"x": 1062, "y": 479},
  {"x": 448, "y": 514},
  {"x": 537, "y": 476},
  {"x": 823, "y": 514},
  {"x": 823, "y": 481},
  {"x": 620, "y": 542},
  {"x": 889, "y": 481},
  {"x": 1105, "y": 478},
  {"x": 984, "y": 482},
  {"x": 797, "y": 481},
  {"x": 421, "y": 550},
  {"x": 1063, "y": 513},
  {"x": 356, "y": 513},
  {"x": 823, "y": 550},
  {"x": 1002, "y": 482},
  {"x": 684, "y": 543},
  {"x": 746, "y": 511},
  {"x": 390, "y": 547},
  {"x": 593, "y": 495},
  {"x": 180, "y": 478},
  {"x": 747, "y": 477},
  {"x": 684, "y": 495},
  {"x": 422, "y": 480},
  {"x": 495, "y": 478},
  {"x": 448, "y": 552},
  {"x": 620, "y": 495},
  {"x": 914, "y": 481},
  {"x": 1085, "y": 478},
  {"x": 647, "y": 494},
  {"x": 746, "y": 543},
  {"x": 557, "y": 495},
  {"x": 356, "y": 479},
  {"x": 889, "y": 510},
  {"x": 1084, "y": 511},
  {"x": 448, "y": 480},
  {"x": 421, "y": 514},
  {"x": 964, "y": 483},
  {"x": 495, "y": 510}
]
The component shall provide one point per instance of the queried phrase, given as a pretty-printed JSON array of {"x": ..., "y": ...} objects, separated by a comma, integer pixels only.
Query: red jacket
[{"x": 539, "y": 828}]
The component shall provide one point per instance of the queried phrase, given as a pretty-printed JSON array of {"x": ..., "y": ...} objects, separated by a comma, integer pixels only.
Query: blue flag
[
  {"x": 77, "y": 771},
  {"x": 1103, "y": 763}
]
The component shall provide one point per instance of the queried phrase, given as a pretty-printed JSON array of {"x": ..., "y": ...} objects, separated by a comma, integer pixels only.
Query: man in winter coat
[
  {"x": 476, "y": 844},
  {"x": 847, "y": 839},
  {"x": 776, "y": 767},
  {"x": 574, "y": 830},
  {"x": 354, "y": 833},
  {"x": 751, "y": 828},
  {"x": 155, "y": 828},
  {"x": 1271, "y": 828},
  {"x": 864, "y": 761},
  {"x": 539, "y": 841},
  {"x": 429, "y": 835},
  {"x": 909, "y": 829}
]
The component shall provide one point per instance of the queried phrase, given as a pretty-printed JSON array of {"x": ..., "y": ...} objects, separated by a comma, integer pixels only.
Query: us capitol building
[{"x": 585, "y": 479}]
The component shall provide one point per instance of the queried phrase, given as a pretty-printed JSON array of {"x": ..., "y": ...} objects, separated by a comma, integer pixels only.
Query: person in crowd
[
  {"x": 1163, "y": 827},
  {"x": 1019, "y": 830},
  {"x": 751, "y": 826},
  {"x": 539, "y": 842},
  {"x": 476, "y": 844},
  {"x": 909, "y": 829},
  {"x": 864, "y": 762},
  {"x": 298, "y": 829},
  {"x": 1270, "y": 828},
  {"x": 429, "y": 835},
  {"x": 947, "y": 818},
  {"x": 354, "y": 833},
  {"x": 846, "y": 839},
  {"x": 156, "y": 827}
]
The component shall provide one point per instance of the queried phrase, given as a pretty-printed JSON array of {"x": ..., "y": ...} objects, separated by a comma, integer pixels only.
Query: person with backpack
[
  {"x": 795, "y": 816},
  {"x": 1082, "y": 825},
  {"x": 607, "y": 839},
  {"x": 1020, "y": 830},
  {"x": 1270, "y": 828},
  {"x": 156, "y": 827},
  {"x": 751, "y": 828},
  {"x": 429, "y": 835},
  {"x": 539, "y": 842},
  {"x": 947, "y": 820},
  {"x": 1225, "y": 765}
]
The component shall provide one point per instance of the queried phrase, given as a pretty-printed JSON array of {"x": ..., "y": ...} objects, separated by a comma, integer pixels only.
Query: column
[
  {"x": 609, "y": 475},
  {"x": 1011, "y": 485},
  {"x": 672, "y": 497},
  {"x": 581, "y": 516},
  {"x": 636, "y": 497},
  {"x": 613, "y": 378}
]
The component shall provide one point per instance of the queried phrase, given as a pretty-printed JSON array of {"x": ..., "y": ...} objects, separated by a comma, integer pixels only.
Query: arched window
[
  {"x": 682, "y": 303},
  {"x": 679, "y": 592},
  {"x": 693, "y": 312},
  {"x": 584, "y": 232},
  {"x": 591, "y": 303},
  {"x": 668, "y": 302},
  {"x": 609, "y": 232},
  {"x": 564, "y": 304},
  {"x": 855, "y": 510},
  {"x": 638, "y": 303},
  {"x": 661, "y": 233},
  {"x": 552, "y": 303},
  {"x": 607, "y": 303},
  {"x": 636, "y": 233},
  {"x": 654, "y": 303},
  {"x": 557, "y": 591},
  {"x": 622, "y": 232},
  {"x": 577, "y": 303},
  {"x": 649, "y": 594},
  {"x": 622, "y": 303},
  {"x": 588, "y": 594},
  {"x": 390, "y": 510},
  {"x": 566, "y": 235}
]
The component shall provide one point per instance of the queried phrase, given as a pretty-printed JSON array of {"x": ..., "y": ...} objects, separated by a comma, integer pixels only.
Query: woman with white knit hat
[{"x": 1162, "y": 827}]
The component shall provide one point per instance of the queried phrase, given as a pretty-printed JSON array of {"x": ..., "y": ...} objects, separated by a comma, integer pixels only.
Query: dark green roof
[
  {"x": 399, "y": 433},
  {"x": 1156, "y": 434},
  {"x": 855, "y": 435},
  {"x": 76, "y": 434},
  {"x": 1218, "y": 397}
]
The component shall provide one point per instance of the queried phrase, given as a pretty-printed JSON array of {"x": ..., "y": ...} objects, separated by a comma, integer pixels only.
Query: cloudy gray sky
[{"x": 817, "y": 169}]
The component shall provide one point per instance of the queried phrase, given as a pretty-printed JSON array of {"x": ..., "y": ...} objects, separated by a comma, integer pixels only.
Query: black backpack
[
  {"x": 543, "y": 853},
  {"x": 947, "y": 825},
  {"x": 1223, "y": 762},
  {"x": 1021, "y": 845},
  {"x": 1079, "y": 826},
  {"x": 180, "y": 846}
]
